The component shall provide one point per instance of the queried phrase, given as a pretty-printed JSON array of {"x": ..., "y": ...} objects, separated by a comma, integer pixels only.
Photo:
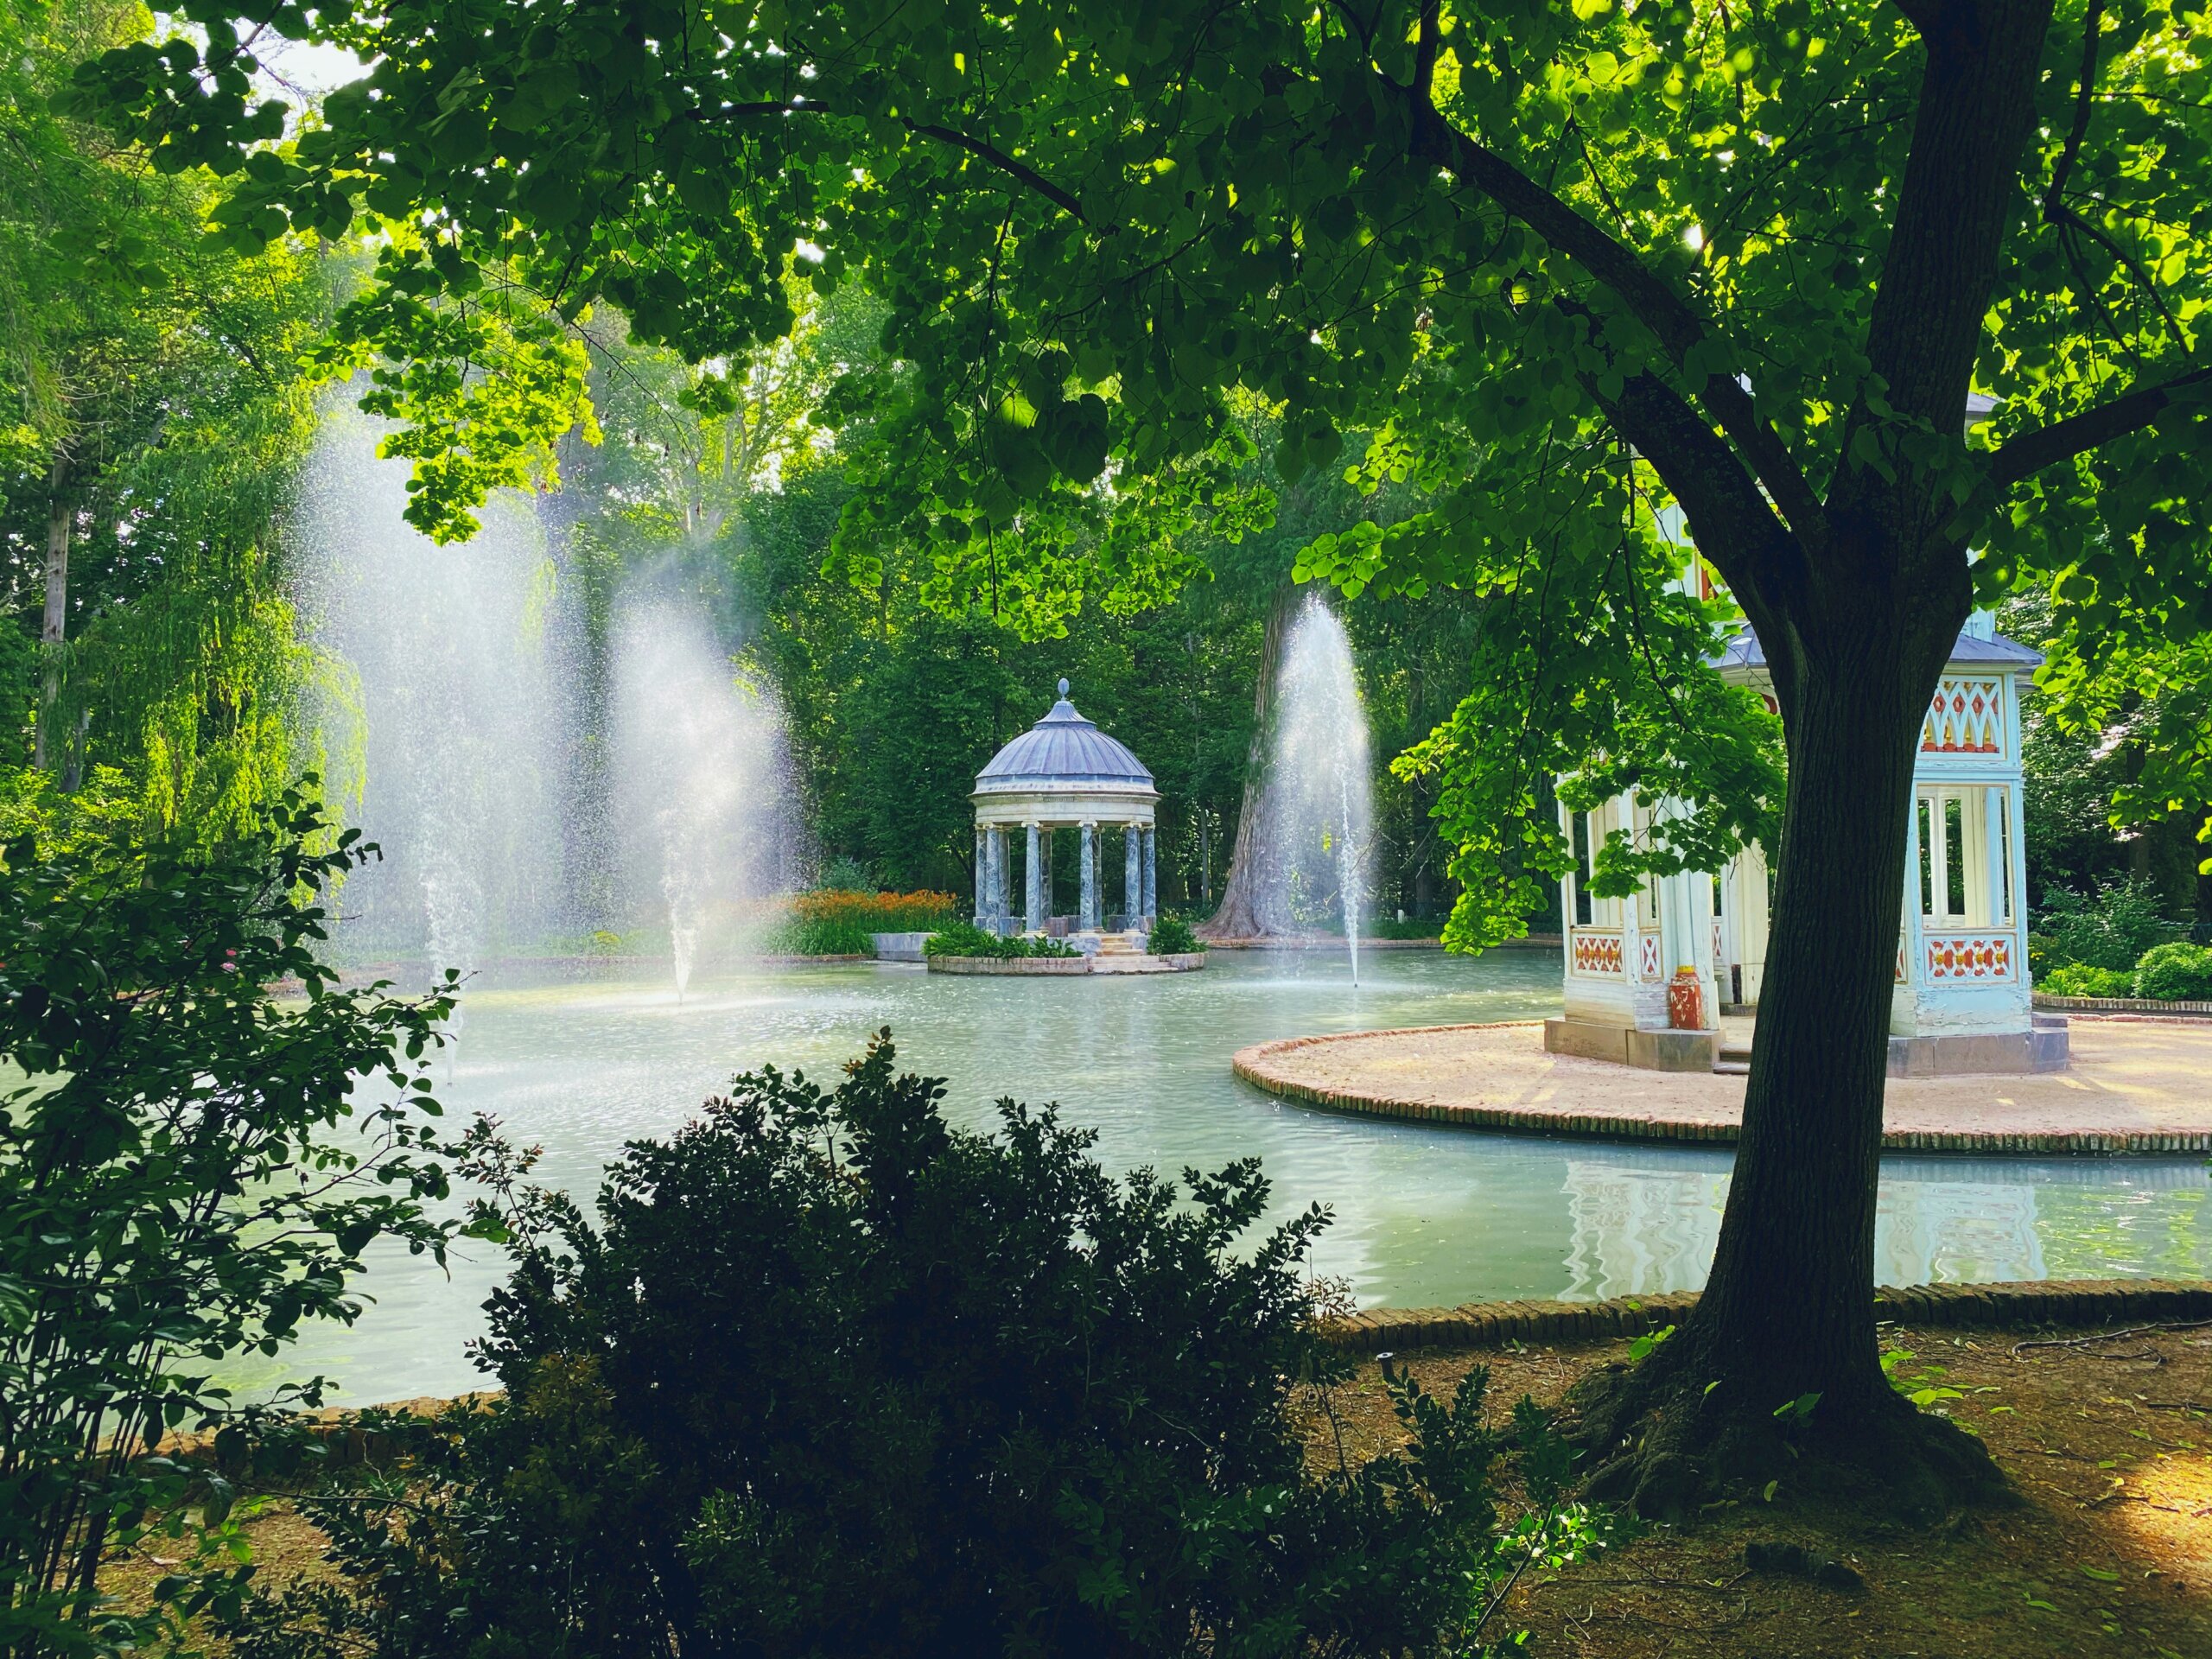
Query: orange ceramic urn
[{"x": 1686, "y": 1000}]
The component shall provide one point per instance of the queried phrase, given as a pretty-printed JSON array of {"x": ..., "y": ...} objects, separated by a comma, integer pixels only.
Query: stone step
[
  {"x": 1732, "y": 1068},
  {"x": 1730, "y": 1052}
]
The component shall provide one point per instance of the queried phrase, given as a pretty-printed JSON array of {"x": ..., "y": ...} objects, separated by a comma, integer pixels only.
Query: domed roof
[{"x": 1062, "y": 748}]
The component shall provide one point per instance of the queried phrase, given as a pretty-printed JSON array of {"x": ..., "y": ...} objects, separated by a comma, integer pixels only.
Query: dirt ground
[{"x": 2107, "y": 1443}]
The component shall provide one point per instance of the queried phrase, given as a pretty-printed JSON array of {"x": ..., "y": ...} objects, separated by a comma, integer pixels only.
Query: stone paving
[{"x": 2135, "y": 1087}]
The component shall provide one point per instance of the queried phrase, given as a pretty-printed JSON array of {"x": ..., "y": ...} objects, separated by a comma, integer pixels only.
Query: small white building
[
  {"x": 1962, "y": 1002},
  {"x": 1064, "y": 773}
]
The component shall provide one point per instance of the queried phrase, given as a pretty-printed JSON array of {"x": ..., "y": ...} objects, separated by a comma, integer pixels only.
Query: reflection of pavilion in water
[{"x": 1637, "y": 1230}]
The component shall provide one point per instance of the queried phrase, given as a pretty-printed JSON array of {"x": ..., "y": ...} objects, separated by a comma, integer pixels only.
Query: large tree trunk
[
  {"x": 54, "y": 625},
  {"x": 1857, "y": 623},
  {"x": 1248, "y": 909},
  {"x": 1788, "y": 1313}
]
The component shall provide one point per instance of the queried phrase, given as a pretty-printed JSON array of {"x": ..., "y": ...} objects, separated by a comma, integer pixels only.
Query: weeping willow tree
[{"x": 154, "y": 409}]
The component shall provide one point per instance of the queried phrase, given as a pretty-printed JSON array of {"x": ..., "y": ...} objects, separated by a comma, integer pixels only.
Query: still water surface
[{"x": 583, "y": 1060}]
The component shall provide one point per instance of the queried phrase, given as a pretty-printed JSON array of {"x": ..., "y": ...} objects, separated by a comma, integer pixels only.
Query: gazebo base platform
[
  {"x": 2134, "y": 1088},
  {"x": 1959, "y": 1054},
  {"x": 1068, "y": 967}
]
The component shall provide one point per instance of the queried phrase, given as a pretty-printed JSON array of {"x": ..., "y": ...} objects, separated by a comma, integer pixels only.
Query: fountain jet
[
  {"x": 702, "y": 778},
  {"x": 1319, "y": 817}
]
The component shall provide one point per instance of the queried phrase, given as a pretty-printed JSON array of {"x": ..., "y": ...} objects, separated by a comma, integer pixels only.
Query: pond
[{"x": 581, "y": 1059}]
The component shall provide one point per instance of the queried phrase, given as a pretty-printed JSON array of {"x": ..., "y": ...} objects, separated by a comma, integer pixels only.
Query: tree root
[{"x": 1665, "y": 1444}]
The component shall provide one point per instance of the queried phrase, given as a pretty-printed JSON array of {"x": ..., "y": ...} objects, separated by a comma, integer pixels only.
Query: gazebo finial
[{"x": 1063, "y": 686}]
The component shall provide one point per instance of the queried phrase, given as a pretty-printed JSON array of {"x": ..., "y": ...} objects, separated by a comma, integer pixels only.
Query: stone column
[
  {"x": 1034, "y": 887},
  {"x": 1003, "y": 865},
  {"x": 1132, "y": 876},
  {"x": 1045, "y": 870},
  {"x": 997, "y": 844},
  {"x": 1151, "y": 874},
  {"x": 982, "y": 878},
  {"x": 1088, "y": 919}
]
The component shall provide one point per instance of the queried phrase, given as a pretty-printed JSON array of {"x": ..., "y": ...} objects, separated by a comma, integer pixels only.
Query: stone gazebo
[{"x": 1063, "y": 773}]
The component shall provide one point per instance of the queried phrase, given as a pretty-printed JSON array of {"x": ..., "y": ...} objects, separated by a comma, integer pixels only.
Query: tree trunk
[
  {"x": 1788, "y": 1302},
  {"x": 1780, "y": 1356},
  {"x": 55, "y": 626},
  {"x": 1788, "y": 1313},
  {"x": 1247, "y": 910}
]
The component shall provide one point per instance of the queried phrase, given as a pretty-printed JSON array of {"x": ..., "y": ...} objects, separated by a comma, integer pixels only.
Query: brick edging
[
  {"x": 2151, "y": 1006},
  {"x": 2029, "y": 1302},
  {"x": 1249, "y": 1065}
]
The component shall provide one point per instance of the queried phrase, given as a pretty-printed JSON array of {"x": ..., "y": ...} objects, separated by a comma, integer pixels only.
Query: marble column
[
  {"x": 1132, "y": 877},
  {"x": 1151, "y": 874},
  {"x": 982, "y": 878},
  {"x": 999, "y": 905},
  {"x": 1032, "y": 887},
  {"x": 1089, "y": 916},
  {"x": 1045, "y": 870}
]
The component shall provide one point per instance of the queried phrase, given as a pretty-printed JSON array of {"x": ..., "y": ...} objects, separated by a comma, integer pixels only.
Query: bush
[
  {"x": 2110, "y": 927},
  {"x": 839, "y": 922},
  {"x": 2078, "y": 979},
  {"x": 2175, "y": 973},
  {"x": 1172, "y": 936},
  {"x": 175, "y": 1191},
  {"x": 843, "y": 874},
  {"x": 831, "y": 1378},
  {"x": 1414, "y": 927},
  {"x": 966, "y": 939}
]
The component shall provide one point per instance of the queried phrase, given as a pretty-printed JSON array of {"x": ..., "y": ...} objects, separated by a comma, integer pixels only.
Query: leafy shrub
[
  {"x": 829, "y": 1377},
  {"x": 2109, "y": 927},
  {"x": 844, "y": 874},
  {"x": 2078, "y": 979},
  {"x": 966, "y": 939},
  {"x": 175, "y": 1190},
  {"x": 2178, "y": 972},
  {"x": 1414, "y": 927},
  {"x": 1172, "y": 936},
  {"x": 838, "y": 922}
]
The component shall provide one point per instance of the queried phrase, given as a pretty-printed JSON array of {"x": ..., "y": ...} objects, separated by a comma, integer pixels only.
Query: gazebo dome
[{"x": 1060, "y": 750}]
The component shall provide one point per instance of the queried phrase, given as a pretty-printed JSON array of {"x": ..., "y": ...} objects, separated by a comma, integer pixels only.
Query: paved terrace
[{"x": 2138, "y": 1086}]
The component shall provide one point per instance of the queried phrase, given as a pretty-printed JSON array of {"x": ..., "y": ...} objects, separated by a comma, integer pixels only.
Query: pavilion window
[
  {"x": 2001, "y": 816},
  {"x": 1965, "y": 856},
  {"x": 1955, "y": 855},
  {"x": 1583, "y": 837}
]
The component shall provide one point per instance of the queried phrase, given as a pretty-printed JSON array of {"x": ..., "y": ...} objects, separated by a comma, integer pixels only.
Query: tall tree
[{"x": 1770, "y": 250}]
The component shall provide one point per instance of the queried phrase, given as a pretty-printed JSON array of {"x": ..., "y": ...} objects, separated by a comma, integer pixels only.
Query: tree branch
[
  {"x": 1647, "y": 297},
  {"x": 1425, "y": 51},
  {"x": 2132, "y": 411},
  {"x": 1021, "y": 172}
]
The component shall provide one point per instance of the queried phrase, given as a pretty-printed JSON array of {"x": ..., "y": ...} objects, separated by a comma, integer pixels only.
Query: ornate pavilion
[
  {"x": 1063, "y": 773},
  {"x": 1963, "y": 1000}
]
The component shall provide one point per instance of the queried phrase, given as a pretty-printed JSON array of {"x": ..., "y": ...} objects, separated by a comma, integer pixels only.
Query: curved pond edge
[
  {"x": 2056, "y": 1302},
  {"x": 1256, "y": 1065}
]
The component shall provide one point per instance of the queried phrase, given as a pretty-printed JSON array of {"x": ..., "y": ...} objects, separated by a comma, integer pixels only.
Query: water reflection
[{"x": 582, "y": 1063}]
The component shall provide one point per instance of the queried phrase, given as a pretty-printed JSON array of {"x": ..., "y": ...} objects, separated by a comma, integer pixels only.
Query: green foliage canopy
[{"x": 1509, "y": 245}]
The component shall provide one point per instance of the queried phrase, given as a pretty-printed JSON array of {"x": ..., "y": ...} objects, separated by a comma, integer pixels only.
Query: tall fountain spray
[
  {"x": 703, "y": 779},
  {"x": 1320, "y": 811},
  {"x": 455, "y": 720}
]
